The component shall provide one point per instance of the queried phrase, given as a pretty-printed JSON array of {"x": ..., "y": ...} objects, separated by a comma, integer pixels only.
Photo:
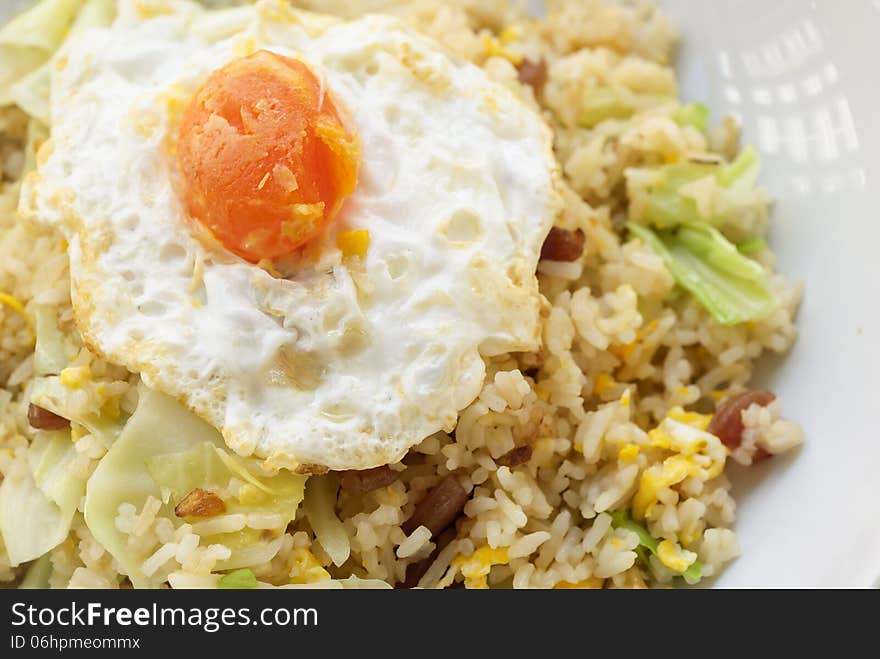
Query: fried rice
[{"x": 568, "y": 456}]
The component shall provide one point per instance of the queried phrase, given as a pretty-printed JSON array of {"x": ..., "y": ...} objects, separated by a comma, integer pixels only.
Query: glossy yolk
[{"x": 265, "y": 158}]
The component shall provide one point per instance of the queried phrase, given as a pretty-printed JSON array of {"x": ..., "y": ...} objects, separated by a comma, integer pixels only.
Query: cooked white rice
[{"x": 622, "y": 350}]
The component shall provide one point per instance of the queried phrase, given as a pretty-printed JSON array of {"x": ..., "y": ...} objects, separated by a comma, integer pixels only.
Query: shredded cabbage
[
  {"x": 732, "y": 287},
  {"x": 49, "y": 357},
  {"x": 38, "y": 498},
  {"x": 30, "y": 523},
  {"x": 693, "y": 114},
  {"x": 603, "y": 103},
  {"x": 165, "y": 451},
  {"x": 29, "y": 41},
  {"x": 735, "y": 196},
  {"x": 320, "y": 508},
  {"x": 752, "y": 246},
  {"x": 50, "y": 457},
  {"x": 620, "y": 519},
  {"x": 37, "y": 575}
]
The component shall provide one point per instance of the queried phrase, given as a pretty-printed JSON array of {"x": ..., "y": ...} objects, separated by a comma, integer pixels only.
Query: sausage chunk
[
  {"x": 727, "y": 424},
  {"x": 366, "y": 480},
  {"x": 563, "y": 245},
  {"x": 533, "y": 74},
  {"x": 439, "y": 508},
  {"x": 515, "y": 457},
  {"x": 42, "y": 419}
]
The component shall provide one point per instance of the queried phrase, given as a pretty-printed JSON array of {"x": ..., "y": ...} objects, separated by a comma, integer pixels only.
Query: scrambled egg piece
[
  {"x": 628, "y": 452},
  {"x": 74, "y": 377},
  {"x": 695, "y": 453},
  {"x": 305, "y": 568},
  {"x": 15, "y": 304},
  {"x": 603, "y": 383},
  {"x": 495, "y": 49},
  {"x": 475, "y": 568},
  {"x": 674, "y": 556}
]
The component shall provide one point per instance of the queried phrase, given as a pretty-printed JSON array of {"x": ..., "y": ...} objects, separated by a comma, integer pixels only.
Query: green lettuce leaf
[{"x": 732, "y": 287}]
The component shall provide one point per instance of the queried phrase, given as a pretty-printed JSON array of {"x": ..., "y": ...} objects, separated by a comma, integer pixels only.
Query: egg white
[{"x": 345, "y": 363}]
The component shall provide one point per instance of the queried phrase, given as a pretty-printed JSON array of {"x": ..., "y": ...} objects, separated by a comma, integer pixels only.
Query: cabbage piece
[
  {"x": 602, "y": 103},
  {"x": 752, "y": 246},
  {"x": 237, "y": 580},
  {"x": 178, "y": 474},
  {"x": 30, "y": 39},
  {"x": 43, "y": 26},
  {"x": 320, "y": 508},
  {"x": 49, "y": 393},
  {"x": 30, "y": 522},
  {"x": 158, "y": 425},
  {"x": 620, "y": 519},
  {"x": 166, "y": 451},
  {"x": 209, "y": 467},
  {"x": 665, "y": 206},
  {"x": 692, "y": 114},
  {"x": 37, "y": 575},
  {"x": 49, "y": 356},
  {"x": 732, "y": 287},
  {"x": 50, "y": 457},
  {"x": 30, "y": 90},
  {"x": 39, "y": 497},
  {"x": 743, "y": 170}
]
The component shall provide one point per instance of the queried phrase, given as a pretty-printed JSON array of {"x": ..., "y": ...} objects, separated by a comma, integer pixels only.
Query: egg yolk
[{"x": 265, "y": 158}]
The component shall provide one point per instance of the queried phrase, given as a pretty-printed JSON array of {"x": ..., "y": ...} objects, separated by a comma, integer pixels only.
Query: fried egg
[{"x": 325, "y": 302}]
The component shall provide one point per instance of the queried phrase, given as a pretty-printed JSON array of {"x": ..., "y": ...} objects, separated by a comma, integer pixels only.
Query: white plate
[
  {"x": 801, "y": 77},
  {"x": 798, "y": 76}
]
